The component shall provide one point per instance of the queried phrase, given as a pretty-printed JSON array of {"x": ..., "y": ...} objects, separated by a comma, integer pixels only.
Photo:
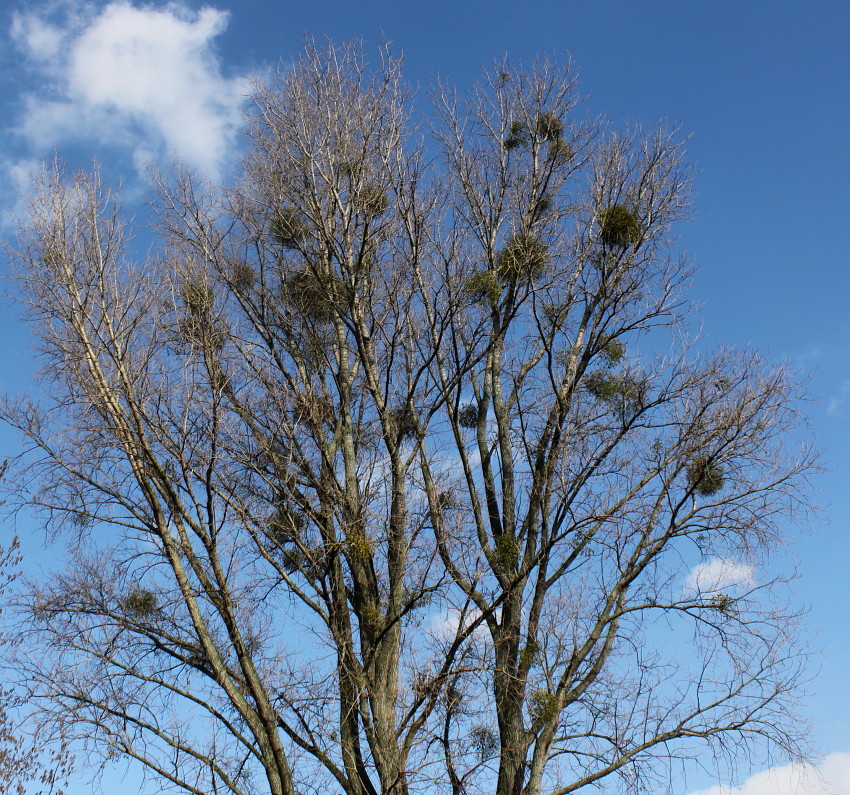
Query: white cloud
[
  {"x": 39, "y": 39},
  {"x": 16, "y": 179},
  {"x": 446, "y": 624},
  {"x": 718, "y": 574},
  {"x": 138, "y": 77},
  {"x": 830, "y": 777}
]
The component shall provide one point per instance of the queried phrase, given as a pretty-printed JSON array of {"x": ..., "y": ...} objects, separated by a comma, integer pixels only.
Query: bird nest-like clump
[
  {"x": 609, "y": 386},
  {"x": 543, "y": 706},
  {"x": 705, "y": 476},
  {"x": 242, "y": 276},
  {"x": 524, "y": 257},
  {"x": 612, "y": 352},
  {"x": 198, "y": 298},
  {"x": 445, "y": 500},
  {"x": 289, "y": 228},
  {"x": 506, "y": 551},
  {"x": 198, "y": 330},
  {"x": 467, "y": 417},
  {"x": 319, "y": 296},
  {"x": 53, "y": 252},
  {"x": 483, "y": 286},
  {"x": 619, "y": 227},
  {"x": 312, "y": 408},
  {"x": 140, "y": 603},
  {"x": 372, "y": 201},
  {"x": 622, "y": 393},
  {"x": 517, "y": 137},
  {"x": 402, "y": 422},
  {"x": 549, "y": 127}
]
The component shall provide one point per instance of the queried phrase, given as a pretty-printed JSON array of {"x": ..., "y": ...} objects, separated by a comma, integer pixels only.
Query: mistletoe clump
[
  {"x": 705, "y": 476},
  {"x": 549, "y": 127},
  {"x": 484, "y": 741},
  {"x": 243, "y": 276},
  {"x": 507, "y": 551},
  {"x": 524, "y": 258},
  {"x": 517, "y": 137},
  {"x": 140, "y": 603},
  {"x": 542, "y": 204},
  {"x": 288, "y": 227},
  {"x": 560, "y": 151},
  {"x": 623, "y": 393},
  {"x": 613, "y": 352},
  {"x": 198, "y": 297},
  {"x": 358, "y": 545},
  {"x": 403, "y": 422},
  {"x": 318, "y": 295},
  {"x": 609, "y": 386},
  {"x": 619, "y": 227},
  {"x": 467, "y": 417},
  {"x": 373, "y": 201},
  {"x": 285, "y": 525},
  {"x": 198, "y": 329},
  {"x": 543, "y": 706},
  {"x": 483, "y": 286}
]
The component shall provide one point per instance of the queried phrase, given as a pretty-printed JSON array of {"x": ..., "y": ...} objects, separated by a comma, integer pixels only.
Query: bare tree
[
  {"x": 388, "y": 470},
  {"x": 24, "y": 763},
  {"x": 592, "y": 475}
]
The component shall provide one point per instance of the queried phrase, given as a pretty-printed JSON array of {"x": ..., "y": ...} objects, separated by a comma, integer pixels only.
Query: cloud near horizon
[
  {"x": 831, "y": 776},
  {"x": 138, "y": 78}
]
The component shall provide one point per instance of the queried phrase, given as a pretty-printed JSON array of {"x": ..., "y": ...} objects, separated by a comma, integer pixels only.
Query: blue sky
[{"x": 760, "y": 85}]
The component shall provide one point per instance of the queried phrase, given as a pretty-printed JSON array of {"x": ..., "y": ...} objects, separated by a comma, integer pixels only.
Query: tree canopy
[{"x": 393, "y": 468}]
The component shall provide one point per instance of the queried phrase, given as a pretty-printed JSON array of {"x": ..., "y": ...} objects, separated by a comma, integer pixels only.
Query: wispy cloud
[
  {"x": 830, "y": 777},
  {"x": 139, "y": 78},
  {"x": 837, "y": 402}
]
